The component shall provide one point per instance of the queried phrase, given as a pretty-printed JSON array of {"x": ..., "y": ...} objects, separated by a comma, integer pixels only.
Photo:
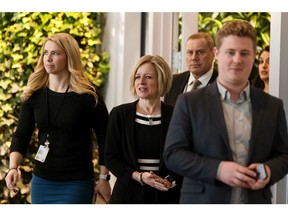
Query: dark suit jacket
[
  {"x": 178, "y": 84},
  {"x": 121, "y": 158},
  {"x": 197, "y": 141}
]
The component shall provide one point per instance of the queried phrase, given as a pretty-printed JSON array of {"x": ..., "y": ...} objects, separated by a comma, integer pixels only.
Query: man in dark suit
[
  {"x": 220, "y": 134},
  {"x": 200, "y": 64}
]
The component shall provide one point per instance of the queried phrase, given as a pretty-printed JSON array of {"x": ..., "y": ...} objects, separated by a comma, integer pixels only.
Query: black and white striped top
[{"x": 147, "y": 140}]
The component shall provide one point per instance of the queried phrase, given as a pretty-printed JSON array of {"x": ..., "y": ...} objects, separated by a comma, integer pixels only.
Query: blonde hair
[
  {"x": 162, "y": 69},
  {"x": 77, "y": 79}
]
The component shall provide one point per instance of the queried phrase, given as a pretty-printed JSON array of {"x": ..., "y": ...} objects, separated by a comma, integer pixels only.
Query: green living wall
[
  {"x": 211, "y": 22},
  {"x": 21, "y": 38}
]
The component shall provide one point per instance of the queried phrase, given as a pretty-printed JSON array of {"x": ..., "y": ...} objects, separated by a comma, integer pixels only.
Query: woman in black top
[
  {"x": 66, "y": 109},
  {"x": 136, "y": 135}
]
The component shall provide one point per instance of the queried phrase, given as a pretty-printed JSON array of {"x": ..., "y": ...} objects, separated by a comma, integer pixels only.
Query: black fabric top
[
  {"x": 70, "y": 154},
  {"x": 148, "y": 150}
]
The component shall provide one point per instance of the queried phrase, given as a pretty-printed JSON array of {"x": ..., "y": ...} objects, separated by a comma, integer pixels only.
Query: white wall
[
  {"x": 189, "y": 27},
  {"x": 278, "y": 80},
  {"x": 159, "y": 37},
  {"x": 122, "y": 41}
]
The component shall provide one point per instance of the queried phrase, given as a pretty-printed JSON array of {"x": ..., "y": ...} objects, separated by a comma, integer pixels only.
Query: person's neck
[
  {"x": 58, "y": 84},
  {"x": 266, "y": 87},
  {"x": 148, "y": 107},
  {"x": 234, "y": 95}
]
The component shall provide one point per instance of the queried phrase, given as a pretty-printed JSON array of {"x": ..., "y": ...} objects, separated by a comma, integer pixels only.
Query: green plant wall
[
  {"x": 21, "y": 38},
  {"x": 211, "y": 22}
]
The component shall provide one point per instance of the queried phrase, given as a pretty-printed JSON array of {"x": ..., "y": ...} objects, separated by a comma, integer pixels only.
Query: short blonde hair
[{"x": 162, "y": 69}]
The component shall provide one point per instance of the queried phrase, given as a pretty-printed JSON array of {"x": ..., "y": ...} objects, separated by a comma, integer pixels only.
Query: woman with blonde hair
[
  {"x": 66, "y": 109},
  {"x": 136, "y": 135}
]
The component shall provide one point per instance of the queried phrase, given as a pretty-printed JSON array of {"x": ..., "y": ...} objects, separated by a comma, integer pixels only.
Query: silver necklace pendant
[{"x": 150, "y": 122}]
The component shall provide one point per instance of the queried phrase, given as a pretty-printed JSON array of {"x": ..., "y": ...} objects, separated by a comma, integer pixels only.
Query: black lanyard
[{"x": 50, "y": 126}]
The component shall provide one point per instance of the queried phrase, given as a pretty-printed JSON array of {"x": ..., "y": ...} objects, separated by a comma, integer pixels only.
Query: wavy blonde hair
[{"x": 77, "y": 79}]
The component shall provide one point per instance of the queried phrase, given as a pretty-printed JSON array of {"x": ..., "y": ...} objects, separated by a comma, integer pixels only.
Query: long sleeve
[{"x": 70, "y": 132}]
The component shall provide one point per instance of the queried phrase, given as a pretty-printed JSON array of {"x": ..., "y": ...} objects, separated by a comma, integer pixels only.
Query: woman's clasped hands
[{"x": 155, "y": 181}]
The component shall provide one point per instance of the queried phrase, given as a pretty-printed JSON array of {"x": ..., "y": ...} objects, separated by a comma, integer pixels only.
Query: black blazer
[
  {"x": 178, "y": 84},
  {"x": 202, "y": 143},
  {"x": 121, "y": 159}
]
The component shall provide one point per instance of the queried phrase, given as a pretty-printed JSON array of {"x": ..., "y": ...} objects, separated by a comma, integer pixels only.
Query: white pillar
[
  {"x": 189, "y": 27},
  {"x": 122, "y": 41},
  {"x": 159, "y": 35},
  {"x": 278, "y": 81}
]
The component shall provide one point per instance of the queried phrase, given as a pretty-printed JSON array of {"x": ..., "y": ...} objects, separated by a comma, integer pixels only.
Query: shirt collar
[
  {"x": 204, "y": 79},
  {"x": 225, "y": 95}
]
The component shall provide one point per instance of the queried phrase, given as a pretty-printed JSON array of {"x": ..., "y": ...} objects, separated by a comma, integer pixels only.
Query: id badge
[{"x": 42, "y": 153}]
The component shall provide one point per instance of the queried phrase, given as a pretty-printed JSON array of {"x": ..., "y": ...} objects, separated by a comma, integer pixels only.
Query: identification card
[{"x": 42, "y": 153}]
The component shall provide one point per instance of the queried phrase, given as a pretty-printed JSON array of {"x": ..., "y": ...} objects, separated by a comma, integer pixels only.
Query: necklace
[
  {"x": 50, "y": 124},
  {"x": 149, "y": 120}
]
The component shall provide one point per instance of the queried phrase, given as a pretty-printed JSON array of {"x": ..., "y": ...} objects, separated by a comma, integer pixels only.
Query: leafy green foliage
[
  {"x": 211, "y": 22},
  {"x": 21, "y": 38}
]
